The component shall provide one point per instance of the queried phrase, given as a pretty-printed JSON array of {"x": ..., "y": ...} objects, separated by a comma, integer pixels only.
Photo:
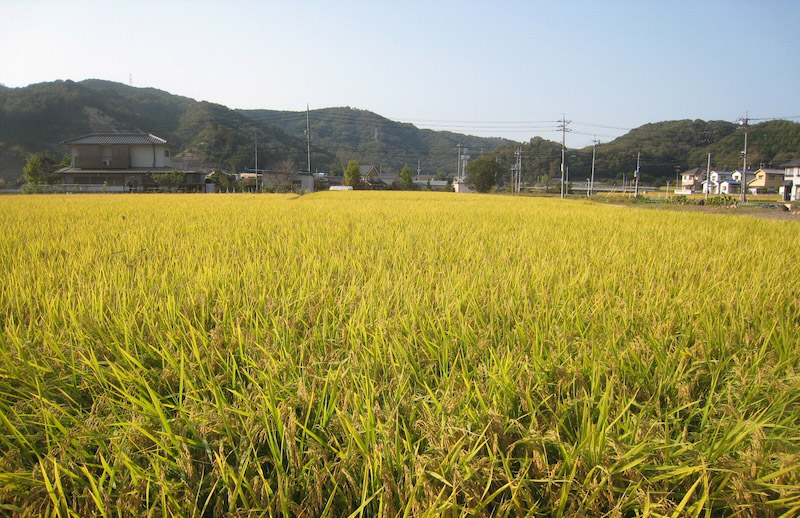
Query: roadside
[{"x": 771, "y": 209}]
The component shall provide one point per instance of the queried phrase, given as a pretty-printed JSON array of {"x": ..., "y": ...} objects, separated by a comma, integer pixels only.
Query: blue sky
[{"x": 504, "y": 68}]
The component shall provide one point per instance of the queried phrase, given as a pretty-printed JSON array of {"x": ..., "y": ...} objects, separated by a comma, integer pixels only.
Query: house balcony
[{"x": 76, "y": 188}]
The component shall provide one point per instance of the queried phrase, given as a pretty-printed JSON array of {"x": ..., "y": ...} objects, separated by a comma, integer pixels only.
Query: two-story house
[
  {"x": 791, "y": 180},
  {"x": 737, "y": 176},
  {"x": 714, "y": 183},
  {"x": 691, "y": 181},
  {"x": 122, "y": 162},
  {"x": 766, "y": 181}
]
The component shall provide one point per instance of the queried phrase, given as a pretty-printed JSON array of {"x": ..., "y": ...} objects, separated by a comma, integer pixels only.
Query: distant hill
[
  {"x": 207, "y": 135},
  {"x": 370, "y": 138},
  {"x": 665, "y": 147},
  {"x": 38, "y": 117}
]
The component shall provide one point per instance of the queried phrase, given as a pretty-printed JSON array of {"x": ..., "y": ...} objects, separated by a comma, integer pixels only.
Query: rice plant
[{"x": 395, "y": 354}]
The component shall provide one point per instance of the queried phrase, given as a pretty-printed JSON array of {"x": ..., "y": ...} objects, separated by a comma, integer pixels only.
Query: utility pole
[
  {"x": 308, "y": 137},
  {"x": 418, "y": 169},
  {"x": 677, "y": 175},
  {"x": 591, "y": 182},
  {"x": 255, "y": 185},
  {"x": 636, "y": 175},
  {"x": 708, "y": 176},
  {"x": 458, "y": 164},
  {"x": 743, "y": 123},
  {"x": 563, "y": 128},
  {"x": 516, "y": 172}
]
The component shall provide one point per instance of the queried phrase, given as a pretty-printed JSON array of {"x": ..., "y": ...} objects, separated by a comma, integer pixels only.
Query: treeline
[
  {"x": 211, "y": 136},
  {"x": 36, "y": 118},
  {"x": 372, "y": 139},
  {"x": 665, "y": 147}
]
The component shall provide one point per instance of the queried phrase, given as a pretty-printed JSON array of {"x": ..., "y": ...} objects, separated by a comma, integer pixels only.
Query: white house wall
[{"x": 149, "y": 156}]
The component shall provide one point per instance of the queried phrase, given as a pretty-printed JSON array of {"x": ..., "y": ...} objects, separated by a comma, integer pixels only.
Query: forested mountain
[
  {"x": 366, "y": 136},
  {"x": 206, "y": 135},
  {"x": 38, "y": 117},
  {"x": 665, "y": 147}
]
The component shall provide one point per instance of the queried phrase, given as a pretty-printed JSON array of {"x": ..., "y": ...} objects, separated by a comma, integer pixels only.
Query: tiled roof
[
  {"x": 132, "y": 170},
  {"x": 793, "y": 163},
  {"x": 116, "y": 138}
]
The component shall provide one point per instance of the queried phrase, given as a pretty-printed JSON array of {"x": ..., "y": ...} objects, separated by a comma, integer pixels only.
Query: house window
[
  {"x": 166, "y": 153},
  {"x": 106, "y": 151}
]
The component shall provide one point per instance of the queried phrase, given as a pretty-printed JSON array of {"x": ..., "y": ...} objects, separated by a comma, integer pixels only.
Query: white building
[
  {"x": 737, "y": 175},
  {"x": 691, "y": 181},
  {"x": 714, "y": 182},
  {"x": 791, "y": 179}
]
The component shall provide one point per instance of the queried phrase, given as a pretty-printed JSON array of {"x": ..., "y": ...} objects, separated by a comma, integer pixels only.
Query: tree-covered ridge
[
  {"x": 38, "y": 117},
  {"x": 373, "y": 139},
  {"x": 665, "y": 147}
]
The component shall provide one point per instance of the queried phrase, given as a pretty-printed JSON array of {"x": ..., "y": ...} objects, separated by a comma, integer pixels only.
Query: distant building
[
  {"x": 461, "y": 186},
  {"x": 371, "y": 178},
  {"x": 253, "y": 179},
  {"x": 691, "y": 181},
  {"x": 766, "y": 181},
  {"x": 737, "y": 175},
  {"x": 729, "y": 187},
  {"x": 714, "y": 183},
  {"x": 791, "y": 180},
  {"x": 429, "y": 183},
  {"x": 122, "y": 162}
]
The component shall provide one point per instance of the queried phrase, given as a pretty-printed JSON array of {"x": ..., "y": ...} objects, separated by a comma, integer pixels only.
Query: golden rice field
[{"x": 395, "y": 354}]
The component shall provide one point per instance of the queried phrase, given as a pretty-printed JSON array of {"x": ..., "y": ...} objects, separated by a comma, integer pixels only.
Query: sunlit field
[{"x": 395, "y": 354}]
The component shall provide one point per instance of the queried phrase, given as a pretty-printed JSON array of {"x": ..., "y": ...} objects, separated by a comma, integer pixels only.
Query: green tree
[
  {"x": 352, "y": 174},
  {"x": 406, "y": 178},
  {"x": 482, "y": 173},
  {"x": 41, "y": 167},
  {"x": 546, "y": 183},
  {"x": 32, "y": 172},
  {"x": 169, "y": 181}
]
